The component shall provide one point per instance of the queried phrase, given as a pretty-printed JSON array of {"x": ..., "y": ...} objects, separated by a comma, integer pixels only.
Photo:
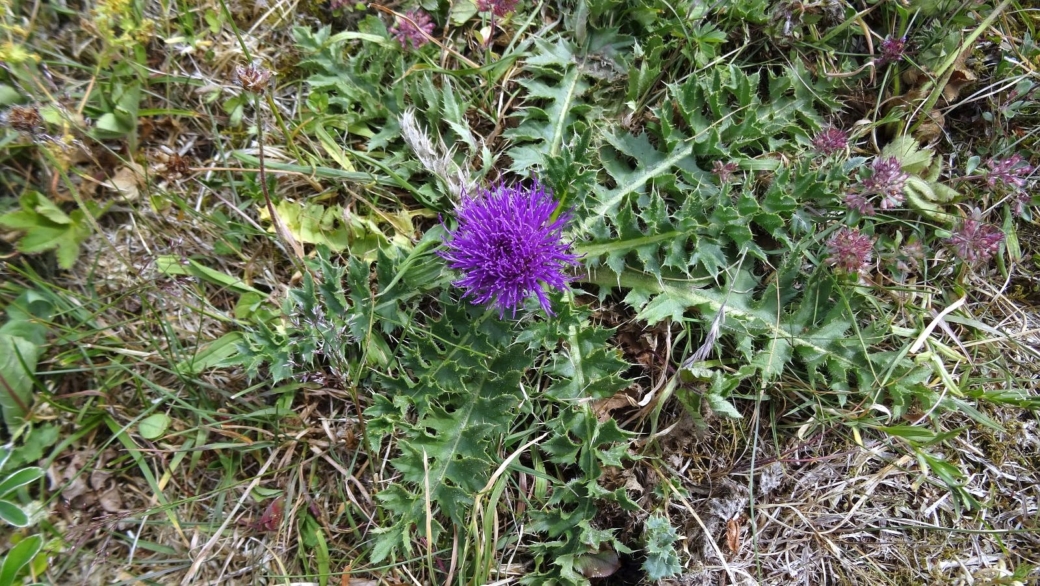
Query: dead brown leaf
[
  {"x": 604, "y": 407},
  {"x": 733, "y": 534},
  {"x": 110, "y": 500},
  {"x": 126, "y": 183}
]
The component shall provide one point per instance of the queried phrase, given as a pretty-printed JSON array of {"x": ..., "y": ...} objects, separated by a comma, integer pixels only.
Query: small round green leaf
[{"x": 153, "y": 426}]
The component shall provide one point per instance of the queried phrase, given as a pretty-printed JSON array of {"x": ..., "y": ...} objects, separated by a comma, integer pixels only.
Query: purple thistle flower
[
  {"x": 507, "y": 247},
  {"x": 830, "y": 140},
  {"x": 848, "y": 250},
  {"x": 498, "y": 7},
  {"x": 409, "y": 30},
  {"x": 858, "y": 203},
  {"x": 887, "y": 180},
  {"x": 975, "y": 241},
  {"x": 891, "y": 50}
]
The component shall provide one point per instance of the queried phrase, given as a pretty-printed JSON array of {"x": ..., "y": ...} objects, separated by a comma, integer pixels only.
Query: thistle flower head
[
  {"x": 498, "y": 7},
  {"x": 887, "y": 180},
  {"x": 848, "y": 250},
  {"x": 830, "y": 140},
  {"x": 508, "y": 247},
  {"x": 975, "y": 241},
  {"x": 409, "y": 30},
  {"x": 892, "y": 50},
  {"x": 253, "y": 77}
]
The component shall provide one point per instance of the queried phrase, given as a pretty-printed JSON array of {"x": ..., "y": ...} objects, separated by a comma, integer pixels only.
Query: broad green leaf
[
  {"x": 772, "y": 358},
  {"x": 12, "y": 514},
  {"x": 19, "y": 479},
  {"x": 913, "y": 433},
  {"x": 171, "y": 264},
  {"x": 649, "y": 165},
  {"x": 661, "y": 560},
  {"x": 213, "y": 354},
  {"x": 722, "y": 407},
  {"x": 18, "y": 358},
  {"x": 154, "y": 426},
  {"x": 52, "y": 212},
  {"x": 10, "y": 96},
  {"x": 597, "y": 565},
  {"x": 47, "y": 227},
  {"x": 914, "y": 159},
  {"x": 38, "y": 438},
  {"x": 112, "y": 125},
  {"x": 18, "y": 557}
]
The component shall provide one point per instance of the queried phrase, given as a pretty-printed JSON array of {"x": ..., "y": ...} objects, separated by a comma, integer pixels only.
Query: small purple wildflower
[
  {"x": 830, "y": 140},
  {"x": 724, "y": 171},
  {"x": 975, "y": 241},
  {"x": 498, "y": 7},
  {"x": 1010, "y": 172},
  {"x": 1021, "y": 202},
  {"x": 887, "y": 180},
  {"x": 507, "y": 247},
  {"x": 409, "y": 30},
  {"x": 857, "y": 203},
  {"x": 891, "y": 50},
  {"x": 848, "y": 250}
]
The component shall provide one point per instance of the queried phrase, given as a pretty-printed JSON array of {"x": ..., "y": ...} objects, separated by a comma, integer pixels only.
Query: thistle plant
[{"x": 508, "y": 247}]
